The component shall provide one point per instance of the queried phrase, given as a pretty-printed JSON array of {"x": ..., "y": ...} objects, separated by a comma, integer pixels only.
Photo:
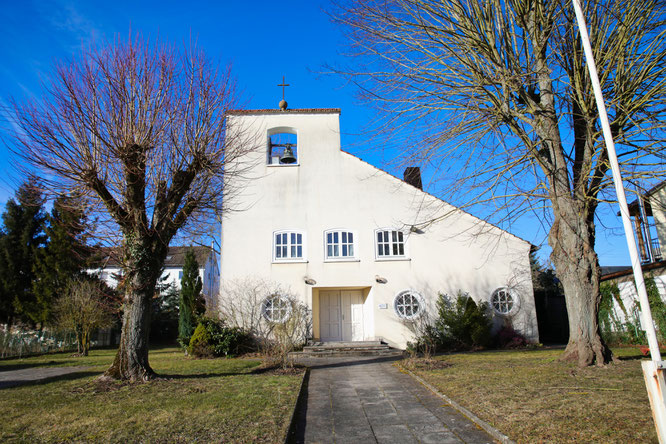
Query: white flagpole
[{"x": 652, "y": 370}]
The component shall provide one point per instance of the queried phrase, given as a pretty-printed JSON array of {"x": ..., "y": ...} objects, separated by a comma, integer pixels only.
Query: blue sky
[{"x": 264, "y": 40}]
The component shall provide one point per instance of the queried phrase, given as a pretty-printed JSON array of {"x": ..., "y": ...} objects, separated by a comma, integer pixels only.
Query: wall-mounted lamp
[
  {"x": 309, "y": 281},
  {"x": 380, "y": 280}
]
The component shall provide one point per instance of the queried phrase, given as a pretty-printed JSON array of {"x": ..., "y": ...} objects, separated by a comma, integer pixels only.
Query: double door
[{"x": 341, "y": 315}]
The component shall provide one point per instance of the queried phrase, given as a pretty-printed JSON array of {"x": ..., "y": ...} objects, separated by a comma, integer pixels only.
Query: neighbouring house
[
  {"x": 367, "y": 252},
  {"x": 648, "y": 213},
  {"x": 110, "y": 270}
]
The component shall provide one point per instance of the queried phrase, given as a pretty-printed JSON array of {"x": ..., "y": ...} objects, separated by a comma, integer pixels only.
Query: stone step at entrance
[{"x": 358, "y": 348}]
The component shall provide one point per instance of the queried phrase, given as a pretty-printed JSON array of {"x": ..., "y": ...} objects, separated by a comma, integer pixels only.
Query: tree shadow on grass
[
  {"x": 25, "y": 365},
  {"x": 167, "y": 376},
  {"x": 636, "y": 357},
  {"x": 78, "y": 374}
]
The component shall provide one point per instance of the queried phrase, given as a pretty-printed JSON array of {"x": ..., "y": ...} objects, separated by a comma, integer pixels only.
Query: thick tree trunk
[
  {"x": 144, "y": 261},
  {"x": 577, "y": 267},
  {"x": 131, "y": 360}
]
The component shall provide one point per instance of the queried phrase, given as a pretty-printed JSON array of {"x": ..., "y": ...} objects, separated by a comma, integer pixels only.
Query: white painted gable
[{"x": 446, "y": 249}]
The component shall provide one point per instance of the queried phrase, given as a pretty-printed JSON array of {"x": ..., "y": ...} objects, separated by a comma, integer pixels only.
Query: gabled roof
[
  {"x": 109, "y": 256},
  {"x": 435, "y": 197},
  {"x": 615, "y": 272},
  {"x": 241, "y": 112}
]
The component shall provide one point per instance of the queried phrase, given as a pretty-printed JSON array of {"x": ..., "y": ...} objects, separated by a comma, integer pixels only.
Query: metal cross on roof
[{"x": 283, "y": 85}]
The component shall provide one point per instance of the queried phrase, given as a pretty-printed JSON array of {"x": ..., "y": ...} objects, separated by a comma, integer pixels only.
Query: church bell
[{"x": 288, "y": 155}]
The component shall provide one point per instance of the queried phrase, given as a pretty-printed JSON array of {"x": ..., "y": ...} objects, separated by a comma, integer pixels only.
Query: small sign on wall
[{"x": 383, "y": 306}]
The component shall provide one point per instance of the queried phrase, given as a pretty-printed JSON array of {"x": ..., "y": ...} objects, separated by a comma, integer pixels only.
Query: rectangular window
[
  {"x": 288, "y": 246},
  {"x": 340, "y": 245},
  {"x": 390, "y": 243}
]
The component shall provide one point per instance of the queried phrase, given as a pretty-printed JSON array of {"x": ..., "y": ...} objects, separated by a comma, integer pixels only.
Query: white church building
[{"x": 367, "y": 252}]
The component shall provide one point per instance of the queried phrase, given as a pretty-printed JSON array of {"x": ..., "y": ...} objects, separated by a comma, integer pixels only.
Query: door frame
[{"x": 317, "y": 312}]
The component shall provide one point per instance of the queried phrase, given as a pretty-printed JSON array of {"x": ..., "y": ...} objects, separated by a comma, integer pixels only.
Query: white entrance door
[
  {"x": 341, "y": 315},
  {"x": 329, "y": 316},
  {"x": 352, "y": 315}
]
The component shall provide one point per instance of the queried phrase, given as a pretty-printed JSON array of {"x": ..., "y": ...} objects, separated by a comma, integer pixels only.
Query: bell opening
[{"x": 282, "y": 149}]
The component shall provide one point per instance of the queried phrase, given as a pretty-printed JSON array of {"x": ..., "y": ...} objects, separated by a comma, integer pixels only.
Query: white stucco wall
[
  {"x": 629, "y": 295},
  {"x": 332, "y": 189}
]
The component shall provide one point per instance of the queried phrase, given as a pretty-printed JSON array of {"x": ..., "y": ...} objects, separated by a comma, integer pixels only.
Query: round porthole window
[
  {"x": 408, "y": 304},
  {"x": 504, "y": 301},
  {"x": 276, "y": 308}
]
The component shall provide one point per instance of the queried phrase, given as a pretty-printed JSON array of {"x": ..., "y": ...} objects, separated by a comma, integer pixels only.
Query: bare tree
[
  {"x": 83, "y": 308},
  {"x": 501, "y": 93},
  {"x": 139, "y": 130}
]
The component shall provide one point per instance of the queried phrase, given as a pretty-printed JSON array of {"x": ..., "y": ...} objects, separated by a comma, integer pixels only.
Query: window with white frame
[
  {"x": 390, "y": 243},
  {"x": 276, "y": 308},
  {"x": 504, "y": 301},
  {"x": 288, "y": 246},
  {"x": 340, "y": 244},
  {"x": 408, "y": 304}
]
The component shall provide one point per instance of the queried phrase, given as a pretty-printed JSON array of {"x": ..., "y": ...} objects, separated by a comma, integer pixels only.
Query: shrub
[
  {"x": 462, "y": 324},
  {"x": 201, "y": 343},
  {"x": 427, "y": 339},
  {"x": 242, "y": 305},
  {"x": 507, "y": 337},
  {"x": 213, "y": 338},
  {"x": 288, "y": 336}
]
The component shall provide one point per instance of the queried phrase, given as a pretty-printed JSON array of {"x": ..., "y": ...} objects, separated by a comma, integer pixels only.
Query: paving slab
[
  {"x": 368, "y": 400},
  {"x": 12, "y": 378}
]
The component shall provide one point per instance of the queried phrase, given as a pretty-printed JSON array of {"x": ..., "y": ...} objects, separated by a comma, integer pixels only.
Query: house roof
[
  {"x": 613, "y": 272},
  {"x": 439, "y": 199},
  {"x": 241, "y": 112},
  {"x": 109, "y": 256}
]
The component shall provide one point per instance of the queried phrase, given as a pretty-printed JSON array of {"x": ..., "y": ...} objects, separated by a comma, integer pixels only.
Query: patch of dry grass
[
  {"x": 531, "y": 396},
  {"x": 194, "y": 400}
]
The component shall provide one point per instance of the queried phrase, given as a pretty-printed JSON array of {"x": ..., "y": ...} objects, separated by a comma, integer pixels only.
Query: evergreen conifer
[
  {"x": 63, "y": 259},
  {"x": 190, "y": 294},
  {"x": 24, "y": 219}
]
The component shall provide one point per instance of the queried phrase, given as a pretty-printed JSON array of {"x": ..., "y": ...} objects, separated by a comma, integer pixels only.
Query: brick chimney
[{"x": 412, "y": 176}]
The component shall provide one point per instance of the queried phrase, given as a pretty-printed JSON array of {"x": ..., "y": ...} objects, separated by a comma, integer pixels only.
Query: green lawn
[
  {"x": 216, "y": 400},
  {"x": 530, "y": 396}
]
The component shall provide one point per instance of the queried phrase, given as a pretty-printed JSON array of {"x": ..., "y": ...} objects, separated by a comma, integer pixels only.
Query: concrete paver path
[
  {"x": 368, "y": 400},
  {"x": 11, "y": 378}
]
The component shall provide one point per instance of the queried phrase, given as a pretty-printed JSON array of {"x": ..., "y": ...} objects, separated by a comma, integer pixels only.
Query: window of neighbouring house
[
  {"x": 504, "y": 301},
  {"x": 408, "y": 304},
  {"x": 282, "y": 148},
  {"x": 276, "y": 308},
  {"x": 340, "y": 245},
  {"x": 180, "y": 275},
  {"x": 288, "y": 246},
  {"x": 390, "y": 244}
]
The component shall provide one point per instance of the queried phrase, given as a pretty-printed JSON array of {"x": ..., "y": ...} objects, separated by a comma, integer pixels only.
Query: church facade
[{"x": 367, "y": 252}]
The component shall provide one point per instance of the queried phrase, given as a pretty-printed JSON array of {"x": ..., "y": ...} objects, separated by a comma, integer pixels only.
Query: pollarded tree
[
  {"x": 503, "y": 96},
  {"x": 138, "y": 130}
]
